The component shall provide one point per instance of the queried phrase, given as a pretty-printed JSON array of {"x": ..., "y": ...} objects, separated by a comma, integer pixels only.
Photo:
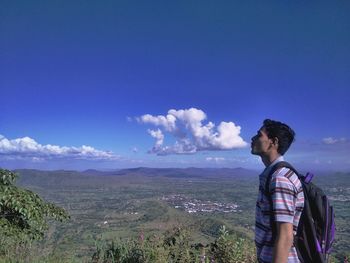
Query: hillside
[{"x": 124, "y": 203}]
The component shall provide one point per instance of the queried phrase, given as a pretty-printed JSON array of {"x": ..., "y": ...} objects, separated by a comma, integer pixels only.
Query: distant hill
[
  {"x": 67, "y": 178},
  {"x": 153, "y": 200},
  {"x": 91, "y": 177},
  {"x": 191, "y": 172}
]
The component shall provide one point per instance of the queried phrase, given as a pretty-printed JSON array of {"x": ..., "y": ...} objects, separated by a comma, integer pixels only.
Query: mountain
[{"x": 67, "y": 178}]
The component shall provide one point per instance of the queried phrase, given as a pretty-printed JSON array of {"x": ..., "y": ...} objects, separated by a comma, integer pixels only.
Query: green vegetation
[
  {"x": 23, "y": 216},
  {"x": 109, "y": 210},
  {"x": 175, "y": 246}
]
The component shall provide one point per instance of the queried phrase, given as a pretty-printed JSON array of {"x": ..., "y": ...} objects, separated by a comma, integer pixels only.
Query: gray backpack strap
[
  {"x": 274, "y": 169},
  {"x": 268, "y": 194}
]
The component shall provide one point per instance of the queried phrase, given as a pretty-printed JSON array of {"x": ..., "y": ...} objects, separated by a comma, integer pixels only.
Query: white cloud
[
  {"x": 167, "y": 122},
  {"x": 215, "y": 159},
  {"x": 37, "y": 160},
  {"x": 331, "y": 140},
  {"x": 28, "y": 148},
  {"x": 135, "y": 150},
  {"x": 158, "y": 135},
  {"x": 190, "y": 133}
]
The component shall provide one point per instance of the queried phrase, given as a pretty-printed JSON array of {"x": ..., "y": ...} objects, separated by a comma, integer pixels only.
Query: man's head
[{"x": 272, "y": 136}]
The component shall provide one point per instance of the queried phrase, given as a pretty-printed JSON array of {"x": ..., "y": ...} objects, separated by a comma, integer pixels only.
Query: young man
[{"x": 276, "y": 221}]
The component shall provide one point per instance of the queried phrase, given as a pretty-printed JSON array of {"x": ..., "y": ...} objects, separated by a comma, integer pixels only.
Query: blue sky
[{"x": 78, "y": 78}]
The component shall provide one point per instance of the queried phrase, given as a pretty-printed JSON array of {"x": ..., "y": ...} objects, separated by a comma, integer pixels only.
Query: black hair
[{"x": 282, "y": 131}]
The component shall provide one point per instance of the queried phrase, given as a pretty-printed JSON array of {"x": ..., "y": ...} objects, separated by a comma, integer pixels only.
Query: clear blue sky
[{"x": 78, "y": 77}]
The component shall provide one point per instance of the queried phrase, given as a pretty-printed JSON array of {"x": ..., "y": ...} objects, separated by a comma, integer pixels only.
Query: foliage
[
  {"x": 130, "y": 203},
  {"x": 174, "y": 246},
  {"x": 23, "y": 215},
  {"x": 232, "y": 249}
]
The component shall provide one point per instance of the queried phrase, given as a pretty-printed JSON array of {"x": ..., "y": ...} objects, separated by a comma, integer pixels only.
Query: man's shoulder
[
  {"x": 284, "y": 172},
  {"x": 286, "y": 176}
]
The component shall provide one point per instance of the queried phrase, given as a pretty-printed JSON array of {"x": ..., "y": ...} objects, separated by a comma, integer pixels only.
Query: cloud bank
[
  {"x": 28, "y": 148},
  {"x": 331, "y": 140},
  {"x": 215, "y": 159},
  {"x": 190, "y": 133}
]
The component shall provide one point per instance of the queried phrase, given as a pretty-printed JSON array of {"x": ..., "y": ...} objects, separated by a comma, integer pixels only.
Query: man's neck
[{"x": 269, "y": 159}]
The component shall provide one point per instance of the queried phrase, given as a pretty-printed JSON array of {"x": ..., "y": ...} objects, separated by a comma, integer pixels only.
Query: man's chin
[{"x": 254, "y": 152}]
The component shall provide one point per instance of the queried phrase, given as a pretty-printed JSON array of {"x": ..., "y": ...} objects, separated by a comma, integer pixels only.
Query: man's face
[{"x": 261, "y": 144}]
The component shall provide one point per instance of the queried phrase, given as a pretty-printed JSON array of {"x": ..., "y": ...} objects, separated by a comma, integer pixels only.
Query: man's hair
[{"x": 282, "y": 131}]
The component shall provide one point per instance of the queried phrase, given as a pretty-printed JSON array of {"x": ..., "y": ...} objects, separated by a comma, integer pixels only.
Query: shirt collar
[{"x": 268, "y": 169}]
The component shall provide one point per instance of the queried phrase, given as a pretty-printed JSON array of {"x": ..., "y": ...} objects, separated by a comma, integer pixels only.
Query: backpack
[{"x": 316, "y": 230}]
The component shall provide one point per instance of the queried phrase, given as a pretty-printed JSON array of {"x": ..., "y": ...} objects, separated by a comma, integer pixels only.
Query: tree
[{"x": 23, "y": 214}]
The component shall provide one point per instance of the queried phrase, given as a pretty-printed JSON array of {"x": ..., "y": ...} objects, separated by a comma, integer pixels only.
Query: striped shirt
[{"x": 287, "y": 205}]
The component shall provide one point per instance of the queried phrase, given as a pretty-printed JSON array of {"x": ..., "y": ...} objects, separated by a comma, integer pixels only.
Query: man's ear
[{"x": 275, "y": 141}]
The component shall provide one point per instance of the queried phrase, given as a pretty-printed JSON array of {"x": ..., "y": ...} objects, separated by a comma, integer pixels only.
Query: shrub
[
  {"x": 174, "y": 246},
  {"x": 23, "y": 216}
]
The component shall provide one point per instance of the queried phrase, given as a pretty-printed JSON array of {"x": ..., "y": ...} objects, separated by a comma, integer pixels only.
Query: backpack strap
[{"x": 274, "y": 168}]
